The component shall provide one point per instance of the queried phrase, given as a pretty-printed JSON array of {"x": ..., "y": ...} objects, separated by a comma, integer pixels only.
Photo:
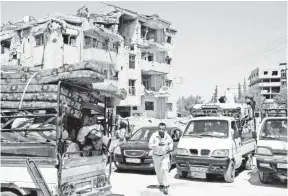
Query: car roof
[
  {"x": 156, "y": 127},
  {"x": 275, "y": 118},
  {"x": 213, "y": 118}
]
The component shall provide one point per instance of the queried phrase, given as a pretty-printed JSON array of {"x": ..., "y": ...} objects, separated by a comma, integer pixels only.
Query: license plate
[
  {"x": 198, "y": 174},
  {"x": 282, "y": 165},
  {"x": 198, "y": 169},
  {"x": 128, "y": 160},
  {"x": 82, "y": 184}
]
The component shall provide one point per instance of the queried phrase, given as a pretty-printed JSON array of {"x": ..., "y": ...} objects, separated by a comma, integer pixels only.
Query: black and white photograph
[{"x": 143, "y": 98}]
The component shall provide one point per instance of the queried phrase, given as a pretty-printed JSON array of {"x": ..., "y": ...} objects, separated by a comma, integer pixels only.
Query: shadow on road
[
  {"x": 254, "y": 180},
  {"x": 135, "y": 172}
]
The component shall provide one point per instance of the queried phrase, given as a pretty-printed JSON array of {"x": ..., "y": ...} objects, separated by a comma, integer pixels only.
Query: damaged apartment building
[
  {"x": 137, "y": 46},
  {"x": 144, "y": 63}
]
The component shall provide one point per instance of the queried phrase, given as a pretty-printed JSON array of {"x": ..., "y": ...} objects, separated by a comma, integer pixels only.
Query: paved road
[{"x": 245, "y": 184}]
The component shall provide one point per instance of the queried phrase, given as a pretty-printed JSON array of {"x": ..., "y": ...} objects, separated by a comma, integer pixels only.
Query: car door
[{"x": 236, "y": 144}]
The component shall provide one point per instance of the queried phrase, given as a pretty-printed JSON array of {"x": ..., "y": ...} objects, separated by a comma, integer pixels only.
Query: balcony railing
[
  {"x": 270, "y": 84},
  {"x": 100, "y": 55},
  {"x": 152, "y": 66}
]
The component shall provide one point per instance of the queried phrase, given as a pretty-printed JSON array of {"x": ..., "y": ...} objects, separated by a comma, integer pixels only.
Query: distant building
[
  {"x": 268, "y": 80},
  {"x": 284, "y": 75}
]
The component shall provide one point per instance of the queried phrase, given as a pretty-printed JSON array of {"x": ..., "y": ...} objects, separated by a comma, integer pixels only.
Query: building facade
[
  {"x": 138, "y": 47},
  {"x": 268, "y": 80},
  {"x": 144, "y": 65}
]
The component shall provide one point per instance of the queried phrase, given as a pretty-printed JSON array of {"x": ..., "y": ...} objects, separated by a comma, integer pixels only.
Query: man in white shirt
[{"x": 161, "y": 144}]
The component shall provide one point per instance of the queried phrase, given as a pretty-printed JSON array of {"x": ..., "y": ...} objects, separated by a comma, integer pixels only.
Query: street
[{"x": 245, "y": 184}]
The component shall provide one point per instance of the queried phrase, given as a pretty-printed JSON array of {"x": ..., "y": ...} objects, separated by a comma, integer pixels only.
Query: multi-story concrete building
[
  {"x": 268, "y": 80},
  {"x": 138, "y": 47},
  {"x": 284, "y": 75},
  {"x": 144, "y": 65}
]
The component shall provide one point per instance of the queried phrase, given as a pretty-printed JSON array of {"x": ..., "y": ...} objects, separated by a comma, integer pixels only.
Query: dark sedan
[{"x": 135, "y": 154}]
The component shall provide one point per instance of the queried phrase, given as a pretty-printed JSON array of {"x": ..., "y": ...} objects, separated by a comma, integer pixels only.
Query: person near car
[
  {"x": 121, "y": 133},
  {"x": 161, "y": 145}
]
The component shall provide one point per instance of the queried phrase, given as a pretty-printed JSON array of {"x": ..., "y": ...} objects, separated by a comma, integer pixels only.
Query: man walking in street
[{"x": 161, "y": 145}]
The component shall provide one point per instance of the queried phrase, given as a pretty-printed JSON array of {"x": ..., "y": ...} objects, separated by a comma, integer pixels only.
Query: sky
[{"x": 218, "y": 43}]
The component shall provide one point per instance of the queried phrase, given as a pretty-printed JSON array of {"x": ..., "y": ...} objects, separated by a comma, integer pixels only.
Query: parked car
[{"x": 135, "y": 154}]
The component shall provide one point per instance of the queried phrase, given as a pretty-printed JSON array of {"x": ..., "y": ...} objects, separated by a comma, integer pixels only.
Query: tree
[
  {"x": 281, "y": 99},
  {"x": 239, "y": 91},
  {"x": 215, "y": 95},
  {"x": 255, "y": 92},
  {"x": 184, "y": 105}
]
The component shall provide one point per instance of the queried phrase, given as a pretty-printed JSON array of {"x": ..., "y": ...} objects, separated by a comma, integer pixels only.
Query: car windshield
[
  {"x": 207, "y": 128},
  {"x": 274, "y": 129},
  {"x": 143, "y": 134}
]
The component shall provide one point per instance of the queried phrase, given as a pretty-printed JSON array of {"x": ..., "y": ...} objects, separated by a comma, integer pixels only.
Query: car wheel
[
  {"x": 229, "y": 174},
  {"x": 182, "y": 174},
  {"x": 264, "y": 177},
  {"x": 210, "y": 177},
  {"x": 249, "y": 162}
]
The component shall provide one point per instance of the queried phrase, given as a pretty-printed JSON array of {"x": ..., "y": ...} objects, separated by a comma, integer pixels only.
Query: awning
[{"x": 110, "y": 90}]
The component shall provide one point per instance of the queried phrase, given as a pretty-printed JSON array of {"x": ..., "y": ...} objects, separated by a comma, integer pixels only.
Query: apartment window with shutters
[
  {"x": 69, "y": 39},
  {"x": 131, "y": 61},
  {"x": 132, "y": 89}
]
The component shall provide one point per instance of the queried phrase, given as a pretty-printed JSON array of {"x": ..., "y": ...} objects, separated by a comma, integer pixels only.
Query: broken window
[
  {"x": 169, "y": 39},
  {"x": 132, "y": 89},
  {"x": 132, "y": 47},
  {"x": 275, "y": 80},
  {"x": 274, "y": 73},
  {"x": 5, "y": 46},
  {"x": 39, "y": 39},
  {"x": 150, "y": 57},
  {"x": 69, "y": 39},
  {"x": 169, "y": 107},
  {"x": 131, "y": 61},
  {"x": 168, "y": 60},
  {"x": 149, "y": 105},
  {"x": 168, "y": 83},
  {"x": 265, "y": 72}
]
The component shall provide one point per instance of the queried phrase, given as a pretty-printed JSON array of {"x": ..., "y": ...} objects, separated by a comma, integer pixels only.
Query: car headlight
[
  {"x": 117, "y": 150},
  {"x": 182, "y": 151},
  {"x": 264, "y": 151},
  {"x": 220, "y": 153}
]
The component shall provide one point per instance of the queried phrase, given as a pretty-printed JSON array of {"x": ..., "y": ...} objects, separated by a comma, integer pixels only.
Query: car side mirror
[{"x": 236, "y": 134}]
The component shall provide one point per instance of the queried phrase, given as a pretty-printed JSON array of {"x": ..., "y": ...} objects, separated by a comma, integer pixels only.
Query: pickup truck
[{"x": 213, "y": 145}]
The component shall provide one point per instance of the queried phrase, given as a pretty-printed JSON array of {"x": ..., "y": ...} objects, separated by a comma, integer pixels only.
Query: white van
[
  {"x": 213, "y": 146},
  {"x": 272, "y": 149}
]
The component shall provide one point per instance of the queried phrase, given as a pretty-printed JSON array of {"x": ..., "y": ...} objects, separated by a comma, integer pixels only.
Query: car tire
[
  {"x": 8, "y": 193},
  {"x": 210, "y": 177},
  {"x": 264, "y": 177},
  {"x": 182, "y": 174},
  {"x": 249, "y": 162},
  {"x": 229, "y": 174}
]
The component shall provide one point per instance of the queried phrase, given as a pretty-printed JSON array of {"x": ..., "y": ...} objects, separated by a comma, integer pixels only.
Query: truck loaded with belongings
[{"x": 52, "y": 122}]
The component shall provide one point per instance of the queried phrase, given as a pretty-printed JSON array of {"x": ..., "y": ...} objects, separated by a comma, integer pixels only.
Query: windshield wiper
[{"x": 193, "y": 135}]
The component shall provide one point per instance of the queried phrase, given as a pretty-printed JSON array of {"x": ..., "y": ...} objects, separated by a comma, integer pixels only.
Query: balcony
[
  {"x": 154, "y": 68},
  {"x": 270, "y": 84},
  {"x": 100, "y": 55}
]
